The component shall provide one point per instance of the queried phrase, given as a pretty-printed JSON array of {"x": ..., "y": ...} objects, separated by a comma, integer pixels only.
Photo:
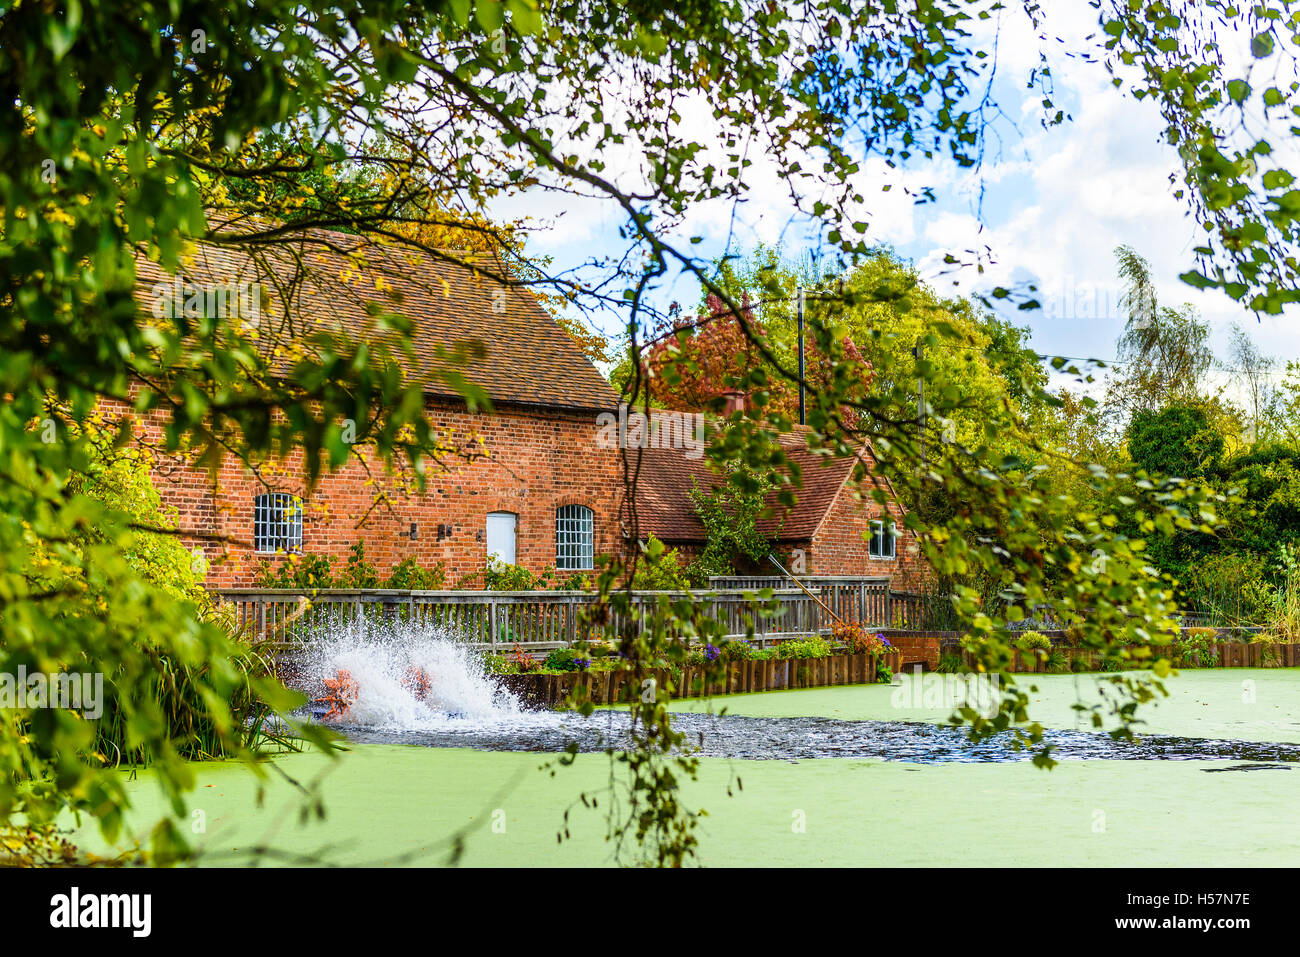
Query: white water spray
[{"x": 409, "y": 676}]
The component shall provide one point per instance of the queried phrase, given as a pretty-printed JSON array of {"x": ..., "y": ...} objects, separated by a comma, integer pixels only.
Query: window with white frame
[
  {"x": 883, "y": 535},
  {"x": 575, "y": 533},
  {"x": 277, "y": 522}
]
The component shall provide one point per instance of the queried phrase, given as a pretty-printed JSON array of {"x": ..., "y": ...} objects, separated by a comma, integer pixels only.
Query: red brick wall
[
  {"x": 840, "y": 544},
  {"x": 535, "y": 462},
  {"x": 916, "y": 649}
]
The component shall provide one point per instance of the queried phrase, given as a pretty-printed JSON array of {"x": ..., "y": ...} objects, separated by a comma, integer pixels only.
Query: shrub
[
  {"x": 1057, "y": 661},
  {"x": 1195, "y": 648},
  {"x": 730, "y": 514},
  {"x": 852, "y": 636},
  {"x": 857, "y": 640},
  {"x": 359, "y": 573},
  {"x": 1284, "y": 601},
  {"x": 660, "y": 569},
  {"x": 951, "y": 663},
  {"x": 522, "y": 661},
  {"x": 1074, "y": 636},
  {"x": 1034, "y": 641},
  {"x": 299, "y": 571},
  {"x": 502, "y": 576},
  {"x": 811, "y": 647},
  {"x": 408, "y": 574},
  {"x": 567, "y": 659},
  {"x": 1231, "y": 587},
  {"x": 745, "y": 651},
  {"x": 1111, "y": 663},
  {"x": 704, "y": 656}
]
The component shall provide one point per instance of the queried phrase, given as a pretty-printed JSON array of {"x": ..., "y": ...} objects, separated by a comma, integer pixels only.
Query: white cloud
[{"x": 1056, "y": 202}]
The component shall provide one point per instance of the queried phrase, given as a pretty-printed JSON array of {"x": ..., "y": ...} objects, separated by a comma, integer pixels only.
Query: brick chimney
[{"x": 734, "y": 401}]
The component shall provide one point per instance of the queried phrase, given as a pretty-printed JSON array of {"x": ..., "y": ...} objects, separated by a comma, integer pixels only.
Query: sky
[{"x": 1048, "y": 206}]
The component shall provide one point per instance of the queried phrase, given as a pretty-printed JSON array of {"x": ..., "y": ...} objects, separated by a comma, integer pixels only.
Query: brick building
[
  {"x": 533, "y": 481},
  {"x": 833, "y": 529}
]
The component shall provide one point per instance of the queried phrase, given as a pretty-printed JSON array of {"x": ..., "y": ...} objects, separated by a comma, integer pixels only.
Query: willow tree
[
  {"x": 123, "y": 123},
  {"x": 1164, "y": 350}
]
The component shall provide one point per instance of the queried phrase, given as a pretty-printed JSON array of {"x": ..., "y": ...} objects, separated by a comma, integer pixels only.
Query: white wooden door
[{"x": 501, "y": 536}]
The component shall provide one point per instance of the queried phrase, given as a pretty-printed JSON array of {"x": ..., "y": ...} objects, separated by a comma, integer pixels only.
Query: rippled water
[
  {"x": 415, "y": 684},
  {"x": 799, "y": 738}
]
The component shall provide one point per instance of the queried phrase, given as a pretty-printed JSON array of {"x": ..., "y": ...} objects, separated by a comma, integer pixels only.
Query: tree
[
  {"x": 883, "y": 306},
  {"x": 1255, "y": 371},
  {"x": 694, "y": 366},
  {"x": 1176, "y": 440},
  {"x": 1164, "y": 351}
]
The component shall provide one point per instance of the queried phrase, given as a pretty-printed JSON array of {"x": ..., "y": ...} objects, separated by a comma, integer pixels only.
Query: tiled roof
[
  {"x": 665, "y": 509},
  {"x": 523, "y": 358}
]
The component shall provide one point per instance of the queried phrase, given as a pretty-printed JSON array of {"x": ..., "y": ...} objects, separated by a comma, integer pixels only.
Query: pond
[{"x": 1208, "y": 799}]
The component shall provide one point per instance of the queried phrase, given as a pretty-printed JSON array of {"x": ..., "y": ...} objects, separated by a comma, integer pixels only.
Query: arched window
[
  {"x": 574, "y": 538},
  {"x": 277, "y": 522}
]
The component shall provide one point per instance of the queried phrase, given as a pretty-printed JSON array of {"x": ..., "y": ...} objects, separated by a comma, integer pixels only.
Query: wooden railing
[
  {"x": 865, "y": 601},
  {"x": 533, "y": 619}
]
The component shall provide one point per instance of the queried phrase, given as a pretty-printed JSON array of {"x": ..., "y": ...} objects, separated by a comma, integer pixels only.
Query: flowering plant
[{"x": 857, "y": 642}]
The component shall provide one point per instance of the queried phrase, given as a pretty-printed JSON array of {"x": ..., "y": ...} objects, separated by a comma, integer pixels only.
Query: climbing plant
[{"x": 730, "y": 513}]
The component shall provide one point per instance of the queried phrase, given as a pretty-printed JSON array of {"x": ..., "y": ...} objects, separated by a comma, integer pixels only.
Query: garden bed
[{"x": 691, "y": 681}]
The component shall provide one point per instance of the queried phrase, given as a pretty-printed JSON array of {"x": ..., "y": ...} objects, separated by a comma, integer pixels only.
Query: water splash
[
  {"x": 409, "y": 676},
  {"x": 417, "y": 684}
]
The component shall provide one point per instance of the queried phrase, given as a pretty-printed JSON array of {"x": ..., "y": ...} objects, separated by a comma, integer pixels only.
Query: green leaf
[
  {"x": 525, "y": 17},
  {"x": 1197, "y": 280},
  {"x": 489, "y": 14}
]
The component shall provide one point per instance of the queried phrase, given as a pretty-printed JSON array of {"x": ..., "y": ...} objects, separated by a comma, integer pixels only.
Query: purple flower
[
  {"x": 711, "y": 653},
  {"x": 582, "y": 663}
]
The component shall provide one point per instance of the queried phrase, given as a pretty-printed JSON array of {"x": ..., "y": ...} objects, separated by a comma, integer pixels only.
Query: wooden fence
[
  {"x": 866, "y": 601},
  {"x": 736, "y": 677},
  {"x": 1223, "y": 654},
  {"x": 541, "y": 619}
]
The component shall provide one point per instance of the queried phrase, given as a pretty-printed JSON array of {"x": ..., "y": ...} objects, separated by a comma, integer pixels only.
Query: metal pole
[
  {"x": 920, "y": 393},
  {"x": 802, "y": 417},
  {"x": 772, "y": 559}
]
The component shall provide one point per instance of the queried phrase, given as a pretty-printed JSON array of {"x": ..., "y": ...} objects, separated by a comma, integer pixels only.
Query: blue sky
[{"x": 1055, "y": 204}]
